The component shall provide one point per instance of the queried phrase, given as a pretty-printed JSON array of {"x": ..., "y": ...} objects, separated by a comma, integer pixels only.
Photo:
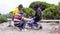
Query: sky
[{"x": 8, "y": 5}]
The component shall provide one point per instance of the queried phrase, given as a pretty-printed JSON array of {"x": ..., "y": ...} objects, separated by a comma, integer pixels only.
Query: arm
[{"x": 27, "y": 19}]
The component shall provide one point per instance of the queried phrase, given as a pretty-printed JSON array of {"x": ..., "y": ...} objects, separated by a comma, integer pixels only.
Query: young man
[
  {"x": 22, "y": 23},
  {"x": 16, "y": 11}
]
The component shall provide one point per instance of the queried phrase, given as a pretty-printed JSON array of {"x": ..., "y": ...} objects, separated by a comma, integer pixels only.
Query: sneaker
[
  {"x": 10, "y": 26},
  {"x": 24, "y": 29}
]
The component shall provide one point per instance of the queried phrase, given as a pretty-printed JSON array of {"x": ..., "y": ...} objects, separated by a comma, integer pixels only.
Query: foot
[
  {"x": 10, "y": 26},
  {"x": 40, "y": 27},
  {"x": 24, "y": 29}
]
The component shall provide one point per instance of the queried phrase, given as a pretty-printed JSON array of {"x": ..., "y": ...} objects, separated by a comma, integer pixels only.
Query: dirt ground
[{"x": 47, "y": 28}]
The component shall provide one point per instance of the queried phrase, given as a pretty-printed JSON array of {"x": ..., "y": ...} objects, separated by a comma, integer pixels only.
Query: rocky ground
[{"x": 47, "y": 29}]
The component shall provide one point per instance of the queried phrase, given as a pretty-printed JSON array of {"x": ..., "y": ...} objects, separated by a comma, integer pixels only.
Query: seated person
[{"x": 22, "y": 22}]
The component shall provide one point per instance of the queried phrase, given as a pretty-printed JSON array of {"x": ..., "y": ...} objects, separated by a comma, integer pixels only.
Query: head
[
  {"x": 20, "y": 6},
  {"x": 35, "y": 6}
]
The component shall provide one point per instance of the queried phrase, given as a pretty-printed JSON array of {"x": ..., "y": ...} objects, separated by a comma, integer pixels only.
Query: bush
[
  {"x": 9, "y": 15},
  {"x": 43, "y": 5},
  {"x": 51, "y": 13},
  {"x": 29, "y": 12},
  {"x": 3, "y": 18}
]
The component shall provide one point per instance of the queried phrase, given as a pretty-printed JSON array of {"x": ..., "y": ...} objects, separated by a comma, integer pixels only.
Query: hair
[
  {"x": 20, "y": 6},
  {"x": 35, "y": 6}
]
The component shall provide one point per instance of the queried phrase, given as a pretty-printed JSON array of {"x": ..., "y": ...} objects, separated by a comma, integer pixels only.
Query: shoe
[
  {"x": 24, "y": 29},
  {"x": 10, "y": 26}
]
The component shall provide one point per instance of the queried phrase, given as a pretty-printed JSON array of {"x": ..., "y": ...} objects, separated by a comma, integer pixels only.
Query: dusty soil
[{"x": 47, "y": 28}]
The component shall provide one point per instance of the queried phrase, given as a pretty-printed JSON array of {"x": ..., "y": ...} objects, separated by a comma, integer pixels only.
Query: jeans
[
  {"x": 21, "y": 24},
  {"x": 33, "y": 23},
  {"x": 13, "y": 18}
]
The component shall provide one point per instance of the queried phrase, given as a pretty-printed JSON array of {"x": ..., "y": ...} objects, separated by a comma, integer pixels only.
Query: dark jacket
[{"x": 38, "y": 15}]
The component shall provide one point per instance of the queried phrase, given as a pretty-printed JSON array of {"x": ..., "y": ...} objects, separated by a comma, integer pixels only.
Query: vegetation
[
  {"x": 3, "y": 18},
  {"x": 43, "y": 5},
  {"x": 29, "y": 12},
  {"x": 51, "y": 13}
]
